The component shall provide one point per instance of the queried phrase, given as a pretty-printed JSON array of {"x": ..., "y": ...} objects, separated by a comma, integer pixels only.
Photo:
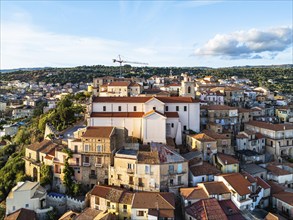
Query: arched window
[{"x": 189, "y": 89}]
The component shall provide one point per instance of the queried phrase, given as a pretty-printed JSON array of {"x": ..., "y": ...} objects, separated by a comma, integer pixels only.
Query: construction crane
[{"x": 119, "y": 60}]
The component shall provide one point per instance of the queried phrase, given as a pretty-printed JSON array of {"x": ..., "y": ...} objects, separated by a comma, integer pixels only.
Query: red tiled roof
[
  {"x": 22, "y": 214},
  {"x": 172, "y": 114},
  {"x": 119, "y": 83},
  {"x": 153, "y": 200},
  {"x": 286, "y": 197},
  {"x": 206, "y": 209},
  {"x": 108, "y": 192},
  {"x": 140, "y": 99},
  {"x": 117, "y": 114},
  {"x": 193, "y": 193},
  {"x": 203, "y": 137},
  {"x": 262, "y": 183},
  {"x": 227, "y": 159},
  {"x": 98, "y": 132},
  {"x": 151, "y": 112},
  {"x": 238, "y": 182},
  {"x": 204, "y": 169},
  {"x": 277, "y": 171},
  {"x": 274, "y": 127}
]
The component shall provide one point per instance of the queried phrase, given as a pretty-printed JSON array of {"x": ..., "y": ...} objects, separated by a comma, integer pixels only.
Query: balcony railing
[
  {"x": 130, "y": 171},
  {"x": 98, "y": 165},
  {"x": 86, "y": 164},
  {"x": 141, "y": 184}
]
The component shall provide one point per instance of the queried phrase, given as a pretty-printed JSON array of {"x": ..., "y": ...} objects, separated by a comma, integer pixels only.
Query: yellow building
[
  {"x": 203, "y": 143},
  {"x": 226, "y": 163}
]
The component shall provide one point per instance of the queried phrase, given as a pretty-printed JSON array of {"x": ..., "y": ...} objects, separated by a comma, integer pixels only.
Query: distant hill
[
  {"x": 280, "y": 76},
  {"x": 22, "y": 69}
]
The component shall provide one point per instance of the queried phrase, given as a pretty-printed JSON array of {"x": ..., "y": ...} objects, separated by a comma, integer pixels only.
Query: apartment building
[
  {"x": 93, "y": 151},
  {"x": 240, "y": 188},
  {"x": 226, "y": 163},
  {"x": 278, "y": 137},
  {"x": 202, "y": 143},
  {"x": 147, "y": 118},
  {"x": 160, "y": 169},
  {"x": 132, "y": 205},
  {"x": 221, "y": 118},
  {"x": 284, "y": 113},
  {"x": 36, "y": 154},
  {"x": 28, "y": 195}
]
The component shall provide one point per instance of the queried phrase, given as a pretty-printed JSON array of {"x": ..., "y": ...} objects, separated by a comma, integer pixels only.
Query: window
[
  {"x": 171, "y": 168},
  {"x": 86, "y": 159},
  {"x": 134, "y": 108},
  {"x": 75, "y": 148},
  {"x": 177, "y": 108},
  {"x": 139, "y": 213},
  {"x": 119, "y": 176},
  {"x": 185, "y": 108},
  {"x": 154, "y": 108},
  {"x": 179, "y": 168},
  {"x": 99, "y": 160},
  {"x": 130, "y": 166},
  {"x": 189, "y": 89},
  {"x": 184, "y": 128},
  {"x": 124, "y": 206},
  {"x": 108, "y": 204},
  {"x": 29, "y": 155},
  {"x": 171, "y": 182},
  {"x": 167, "y": 108},
  {"x": 26, "y": 205},
  {"x": 99, "y": 148},
  {"x": 97, "y": 200},
  {"x": 172, "y": 125},
  {"x": 147, "y": 169},
  {"x": 202, "y": 179},
  {"x": 13, "y": 208},
  {"x": 104, "y": 108},
  {"x": 119, "y": 108},
  {"x": 179, "y": 180},
  {"x": 86, "y": 147}
]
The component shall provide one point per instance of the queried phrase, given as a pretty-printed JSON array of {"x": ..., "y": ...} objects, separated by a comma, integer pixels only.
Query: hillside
[{"x": 282, "y": 75}]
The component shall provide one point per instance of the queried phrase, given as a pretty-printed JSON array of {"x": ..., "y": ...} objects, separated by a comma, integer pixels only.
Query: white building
[
  {"x": 147, "y": 118},
  {"x": 29, "y": 195}
]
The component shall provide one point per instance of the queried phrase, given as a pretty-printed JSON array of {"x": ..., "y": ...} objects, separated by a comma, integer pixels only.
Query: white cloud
[{"x": 251, "y": 44}]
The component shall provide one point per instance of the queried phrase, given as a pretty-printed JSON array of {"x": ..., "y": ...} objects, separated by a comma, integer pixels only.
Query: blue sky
[{"x": 161, "y": 33}]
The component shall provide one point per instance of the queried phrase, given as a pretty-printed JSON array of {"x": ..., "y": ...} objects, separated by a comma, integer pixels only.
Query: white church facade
[{"x": 151, "y": 119}]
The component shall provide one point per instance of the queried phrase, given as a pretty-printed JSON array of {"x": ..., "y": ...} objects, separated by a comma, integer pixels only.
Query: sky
[{"x": 210, "y": 33}]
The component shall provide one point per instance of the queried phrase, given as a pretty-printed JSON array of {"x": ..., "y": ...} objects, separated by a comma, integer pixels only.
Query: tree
[{"x": 46, "y": 175}]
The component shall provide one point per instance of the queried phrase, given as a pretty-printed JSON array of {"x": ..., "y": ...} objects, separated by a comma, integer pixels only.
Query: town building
[
  {"x": 279, "y": 137},
  {"x": 147, "y": 118},
  {"x": 28, "y": 195},
  {"x": 160, "y": 169}
]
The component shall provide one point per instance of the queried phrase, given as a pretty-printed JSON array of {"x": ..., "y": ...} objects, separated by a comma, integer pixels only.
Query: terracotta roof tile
[
  {"x": 204, "y": 169},
  {"x": 153, "y": 200},
  {"x": 227, "y": 159},
  {"x": 22, "y": 214},
  {"x": 117, "y": 114},
  {"x": 206, "y": 209},
  {"x": 172, "y": 114},
  {"x": 151, "y": 157},
  {"x": 277, "y": 171},
  {"x": 193, "y": 193},
  {"x": 144, "y": 99},
  {"x": 286, "y": 197},
  {"x": 238, "y": 182},
  {"x": 203, "y": 137},
  {"x": 262, "y": 183},
  {"x": 126, "y": 198},
  {"x": 214, "y": 188},
  {"x": 98, "y": 132},
  {"x": 119, "y": 83},
  {"x": 231, "y": 210},
  {"x": 45, "y": 146},
  {"x": 108, "y": 192},
  {"x": 215, "y": 135},
  {"x": 274, "y": 127}
]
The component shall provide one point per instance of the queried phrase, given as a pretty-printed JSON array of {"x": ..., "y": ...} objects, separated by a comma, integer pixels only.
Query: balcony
[
  {"x": 141, "y": 184},
  {"x": 130, "y": 171},
  {"x": 98, "y": 165},
  {"x": 86, "y": 164},
  {"x": 93, "y": 176}
]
